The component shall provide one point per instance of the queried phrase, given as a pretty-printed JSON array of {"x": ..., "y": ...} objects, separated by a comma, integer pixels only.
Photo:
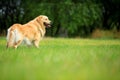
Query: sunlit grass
[{"x": 62, "y": 59}]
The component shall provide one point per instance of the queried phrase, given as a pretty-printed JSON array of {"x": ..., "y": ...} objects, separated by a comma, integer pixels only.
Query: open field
[{"x": 62, "y": 59}]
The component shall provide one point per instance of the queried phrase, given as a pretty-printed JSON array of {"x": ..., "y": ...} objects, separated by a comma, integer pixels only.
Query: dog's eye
[{"x": 46, "y": 19}]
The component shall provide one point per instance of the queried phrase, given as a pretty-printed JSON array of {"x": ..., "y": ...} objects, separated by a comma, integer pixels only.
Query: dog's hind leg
[
  {"x": 16, "y": 44},
  {"x": 18, "y": 38}
]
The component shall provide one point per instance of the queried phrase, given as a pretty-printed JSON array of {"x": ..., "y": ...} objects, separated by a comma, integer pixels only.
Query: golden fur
[{"x": 31, "y": 32}]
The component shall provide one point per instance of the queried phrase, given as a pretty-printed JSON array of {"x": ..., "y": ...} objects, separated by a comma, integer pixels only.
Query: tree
[
  {"x": 69, "y": 17},
  {"x": 10, "y": 12},
  {"x": 111, "y": 11}
]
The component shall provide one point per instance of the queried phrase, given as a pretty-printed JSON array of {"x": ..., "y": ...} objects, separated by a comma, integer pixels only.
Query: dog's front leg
[{"x": 36, "y": 43}]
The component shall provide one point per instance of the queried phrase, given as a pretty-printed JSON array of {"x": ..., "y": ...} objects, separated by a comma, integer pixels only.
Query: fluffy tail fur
[{"x": 10, "y": 38}]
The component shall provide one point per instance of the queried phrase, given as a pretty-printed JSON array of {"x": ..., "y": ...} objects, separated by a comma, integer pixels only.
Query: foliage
[
  {"x": 69, "y": 17},
  {"x": 10, "y": 12}
]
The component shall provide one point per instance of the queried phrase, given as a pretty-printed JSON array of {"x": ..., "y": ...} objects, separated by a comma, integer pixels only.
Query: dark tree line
[
  {"x": 10, "y": 12},
  {"x": 69, "y": 17},
  {"x": 111, "y": 17}
]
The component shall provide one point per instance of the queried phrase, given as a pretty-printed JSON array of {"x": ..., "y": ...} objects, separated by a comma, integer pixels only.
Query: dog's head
[{"x": 45, "y": 21}]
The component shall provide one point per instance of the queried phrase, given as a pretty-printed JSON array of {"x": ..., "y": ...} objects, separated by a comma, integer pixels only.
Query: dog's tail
[{"x": 10, "y": 37}]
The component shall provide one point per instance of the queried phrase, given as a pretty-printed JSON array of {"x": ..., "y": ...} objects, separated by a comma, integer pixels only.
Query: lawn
[{"x": 62, "y": 59}]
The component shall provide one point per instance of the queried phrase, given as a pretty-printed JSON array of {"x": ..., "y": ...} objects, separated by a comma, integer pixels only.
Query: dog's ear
[{"x": 38, "y": 19}]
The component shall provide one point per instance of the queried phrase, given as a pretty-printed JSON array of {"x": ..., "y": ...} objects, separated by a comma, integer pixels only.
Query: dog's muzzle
[{"x": 47, "y": 25}]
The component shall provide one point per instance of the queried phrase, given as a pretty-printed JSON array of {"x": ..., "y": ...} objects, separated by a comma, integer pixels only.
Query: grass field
[{"x": 62, "y": 59}]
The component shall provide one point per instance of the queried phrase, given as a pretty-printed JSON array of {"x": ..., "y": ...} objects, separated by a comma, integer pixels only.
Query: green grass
[{"x": 62, "y": 59}]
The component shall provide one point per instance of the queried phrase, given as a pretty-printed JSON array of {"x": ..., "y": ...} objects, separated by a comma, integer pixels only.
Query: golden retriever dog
[{"x": 29, "y": 33}]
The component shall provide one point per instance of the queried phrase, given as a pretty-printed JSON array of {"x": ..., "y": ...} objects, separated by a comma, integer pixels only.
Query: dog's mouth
[{"x": 47, "y": 25}]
